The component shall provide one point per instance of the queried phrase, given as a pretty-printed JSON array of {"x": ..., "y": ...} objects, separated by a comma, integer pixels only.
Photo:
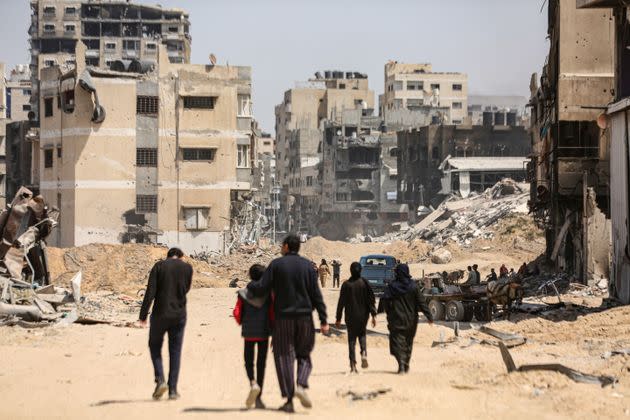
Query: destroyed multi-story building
[
  {"x": 16, "y": 107},
  {"x": 114, "y": 31},
  {"x": 619, "y": 126},
  {"x": 160, "y": 155},
  {"x": 358, "y": 177},
  {"x": 570, "y": 167},
  {"x": 498, "y": 110},
  {"x": 484, "y": 154},
  {"x": 305, "y": 107},
  {"x": 417, "y": 87}
]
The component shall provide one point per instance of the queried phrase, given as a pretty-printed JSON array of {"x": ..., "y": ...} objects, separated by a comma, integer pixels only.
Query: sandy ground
[{"x": 93, "y": 372}]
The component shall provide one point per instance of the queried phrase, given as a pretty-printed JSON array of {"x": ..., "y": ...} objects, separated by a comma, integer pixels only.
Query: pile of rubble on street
[
  {"x": 463, "y": 220},
  {"x": 26, "y": 294}
]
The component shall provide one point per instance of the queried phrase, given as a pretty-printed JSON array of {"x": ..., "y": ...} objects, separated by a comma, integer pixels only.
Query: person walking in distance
[
  {"x": 356, "y": 298},
  {"x": 401, "y": 302},
  {"x": 169, "y": 282},
  {"x": 336, "y": 265},
  {"x": 255, "y": 328},
  {"x": 324, "y": 272},
  {"x": 293, "y": 282}
]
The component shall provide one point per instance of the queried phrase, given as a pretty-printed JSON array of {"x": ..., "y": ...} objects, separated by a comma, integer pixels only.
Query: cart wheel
[
  {"x": 455, "y": 311},
  {"x": 483, "y": 312},
  {"x": 437, "y": 310},
  {"x": 469, "y": 312}
]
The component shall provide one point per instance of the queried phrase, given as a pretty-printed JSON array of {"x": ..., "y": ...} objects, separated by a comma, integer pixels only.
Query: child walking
[{"x": 256, "y": 329}]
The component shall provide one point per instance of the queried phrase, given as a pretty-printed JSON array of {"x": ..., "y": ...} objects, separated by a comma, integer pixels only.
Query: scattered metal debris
[
  {"x": 363, "y": 396},
  {"x": 508, "y": 339},
  {"x": 555, "y": 367}
]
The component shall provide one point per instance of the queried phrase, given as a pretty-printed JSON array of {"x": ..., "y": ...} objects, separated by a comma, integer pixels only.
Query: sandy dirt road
[{"x": 104, "y": 372}]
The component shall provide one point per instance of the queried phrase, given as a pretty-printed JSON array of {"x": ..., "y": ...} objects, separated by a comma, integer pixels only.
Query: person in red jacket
[{"x": 255, "y": 325}]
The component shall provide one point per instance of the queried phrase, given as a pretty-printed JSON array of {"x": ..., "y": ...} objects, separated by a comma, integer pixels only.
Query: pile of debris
[
  {"x": 235, "y": 265},
  {"x": 463, "y": 220},
  {"x": 26, "y": 294}
]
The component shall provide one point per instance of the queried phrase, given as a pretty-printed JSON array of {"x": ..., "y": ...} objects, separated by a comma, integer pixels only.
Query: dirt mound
[
  {"x": 412, "y": 252},
  {"x": 121, "y": 268}
]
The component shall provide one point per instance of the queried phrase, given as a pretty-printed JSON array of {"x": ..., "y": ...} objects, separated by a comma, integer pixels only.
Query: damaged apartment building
[
  {"x": 570, "y": 167},
  {"x": 299, "y": 122},
  {"x": 116, "y": 32},
  {"x": 618, "y": 126},
  {"x": 436, "y": 160},
  {"x": 358, "y": 177},
  {"x": 156, "y": 155}
]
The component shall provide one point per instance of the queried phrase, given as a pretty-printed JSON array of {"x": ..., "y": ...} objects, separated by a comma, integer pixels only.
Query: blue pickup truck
[{"x": 378, "y": 270}]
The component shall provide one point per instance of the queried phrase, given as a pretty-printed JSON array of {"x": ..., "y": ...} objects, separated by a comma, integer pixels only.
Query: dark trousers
[
  {"x": 175, "y": 330},
  {"x": 335, "y": 280},
  {"x": 401, "y": 345},
  {"x": 261, "y": 360},
  {"x": 293, "y": 338},
  {"x": 352, "y": 342}
]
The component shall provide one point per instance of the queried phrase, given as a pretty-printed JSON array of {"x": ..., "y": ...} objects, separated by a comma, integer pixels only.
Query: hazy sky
[{"x": 499, "y": 43}]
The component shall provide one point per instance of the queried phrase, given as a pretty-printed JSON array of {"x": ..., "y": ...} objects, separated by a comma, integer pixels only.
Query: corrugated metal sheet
[
  {"x": 619, "y": 206},
  {"x": 488, "y": 164}
]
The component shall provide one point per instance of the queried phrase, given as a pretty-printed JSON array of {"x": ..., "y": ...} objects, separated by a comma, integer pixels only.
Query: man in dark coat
[
  {"x": 401, "y": 302},
  {"x": 293, "y": 282},
  {"x": 169, "y": 282},
  {"x": 357, "y": 299},
  {"x": 336, "y": 265}
]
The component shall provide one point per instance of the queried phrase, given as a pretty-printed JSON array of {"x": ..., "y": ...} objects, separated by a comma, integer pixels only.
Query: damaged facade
[
  {"x": 570, "y": 168},
  {"x": 424, "y": 153},
  {"x": 415, "y": 87},
  {"x": 300, "y": 118},
  {"x": 115, "y": 32},
  {"x": 358, "y": 174},
  {"x": 162, "y": 161},
  {"x": 619, "y": 127}
]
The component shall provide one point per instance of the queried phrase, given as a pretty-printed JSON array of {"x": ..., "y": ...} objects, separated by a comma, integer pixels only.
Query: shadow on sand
[
  {"x": 114, "y": 402},
  {"x": 228, "y": 410}
]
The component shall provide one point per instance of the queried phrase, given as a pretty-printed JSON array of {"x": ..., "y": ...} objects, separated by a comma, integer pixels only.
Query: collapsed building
[
  {"x": 618, "y": 116},
  {"x": 456, "y": 153},
  {"x": 115, "y": 32},
  {"x": 358, "y": 175},
  {"x": 158, "y": 155},
  {"x": 570, "y": 169}
]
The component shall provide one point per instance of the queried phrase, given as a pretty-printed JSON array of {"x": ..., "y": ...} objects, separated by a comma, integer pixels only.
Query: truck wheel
[
  {"x": 437, "y": 310},
  {"x": 483, "y": 312},
  {"x": 455, "y": 311}
]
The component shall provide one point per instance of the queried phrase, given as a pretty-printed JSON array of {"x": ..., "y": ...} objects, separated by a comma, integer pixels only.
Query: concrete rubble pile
[
  {"x": 26, "y": 294},
  {"x": 463, "y": 220}
]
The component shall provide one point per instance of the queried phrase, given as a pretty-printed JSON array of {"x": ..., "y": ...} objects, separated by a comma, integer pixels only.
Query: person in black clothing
[
  {"x": 492, "y": 276},
  {"x": 357, "y": 299},
  {"x": 336, "y": 265},
  {"x": 169, "y": 282},
  {"x": 293, "y": 282},
  {"x": 402, "y": 300},
  {"x": 255, "y": 328}
]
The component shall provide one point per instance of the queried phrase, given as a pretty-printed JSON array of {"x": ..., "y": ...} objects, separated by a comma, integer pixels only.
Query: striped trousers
[{"x": 293, "y": 338}]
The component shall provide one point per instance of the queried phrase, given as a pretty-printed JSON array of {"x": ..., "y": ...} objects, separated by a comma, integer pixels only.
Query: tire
[
  {"x": 481, "y": 312},
  {"x": 437, "y": 310},
  {"x": 455, "y": 311}
]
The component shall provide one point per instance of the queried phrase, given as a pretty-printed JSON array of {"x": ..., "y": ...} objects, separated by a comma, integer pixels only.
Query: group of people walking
[
  {"x": 324, "y": 272},
  {"x": 278, "y": 303}
]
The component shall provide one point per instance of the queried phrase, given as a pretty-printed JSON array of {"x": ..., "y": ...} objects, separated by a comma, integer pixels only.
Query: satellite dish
[
  {"x": 213, "y": 59},
  {"x": 602, "y": 121}
]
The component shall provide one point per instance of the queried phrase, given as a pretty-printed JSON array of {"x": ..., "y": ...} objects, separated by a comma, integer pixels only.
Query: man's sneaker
[
  {"x": 364, "y": 362},
  {"x": 287, "y": 407},
  {"x": 173, "y": 395},
  {"x": 260, "y": 405},
  {"x": 254, "y": 392},
  {"x": 300, "y": 393},
  {"x": 160, "y": 389}
]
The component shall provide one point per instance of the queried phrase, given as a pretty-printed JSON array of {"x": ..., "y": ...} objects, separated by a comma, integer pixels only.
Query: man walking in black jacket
[
  {"x": 169, "y": 282},
  {"x": 293, "y": 282},
  {"x": 402, "y": 301},
  {"x": 356, "y": 298}
]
